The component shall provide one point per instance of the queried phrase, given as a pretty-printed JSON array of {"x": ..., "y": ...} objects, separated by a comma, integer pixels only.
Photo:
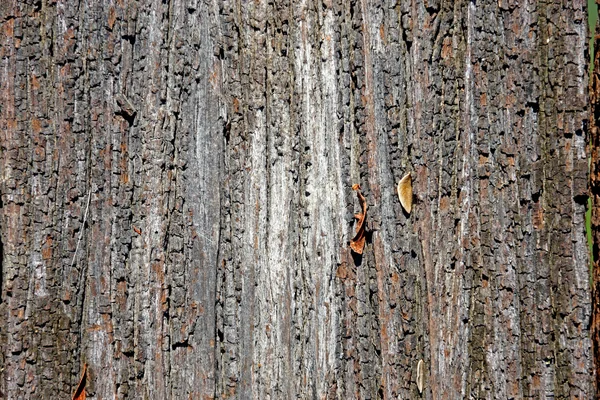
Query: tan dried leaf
[
  {"x": 420, "y": 376},
  {"x": 357, "y": 243},
  {"x": 405, "y": 192}
]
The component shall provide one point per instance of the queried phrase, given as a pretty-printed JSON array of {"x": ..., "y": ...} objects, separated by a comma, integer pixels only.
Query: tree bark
[
  {"x": 594, "y": 92},
  {"x": 177, "y": 203}
]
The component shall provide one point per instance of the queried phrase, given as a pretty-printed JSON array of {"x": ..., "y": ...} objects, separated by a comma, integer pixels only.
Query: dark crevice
[
  {"x": 535, "y": 106},
  {"x": 581, "y": 199},
  {"x": 357, "y": 258},
  {"x": 130, "y": 39},
  {"x": 183, "y": 344}
]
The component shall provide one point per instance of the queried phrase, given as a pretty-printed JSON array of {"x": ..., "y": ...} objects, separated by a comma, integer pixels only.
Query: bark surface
[
  {"x": 594, "y": 132},
  {"x": 177, "y": 206}
]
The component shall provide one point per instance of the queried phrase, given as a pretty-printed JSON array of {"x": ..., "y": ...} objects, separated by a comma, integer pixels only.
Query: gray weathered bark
[{"x": 176, "y": 203}]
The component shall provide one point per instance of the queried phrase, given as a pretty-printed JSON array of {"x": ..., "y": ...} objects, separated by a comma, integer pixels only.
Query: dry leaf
[
  {"x": 80, "y": 392},
  {"x": 357, "y": 243},
  {"x": 420, "y": 376},
  {"x": 137, "y": 230},
  {"x": 405, "y": 193}
]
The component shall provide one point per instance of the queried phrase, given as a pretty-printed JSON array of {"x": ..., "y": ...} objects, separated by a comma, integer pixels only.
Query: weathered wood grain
[{"x": 176, "y": 203}]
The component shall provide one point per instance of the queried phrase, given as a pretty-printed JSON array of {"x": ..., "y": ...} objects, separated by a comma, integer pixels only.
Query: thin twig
[{"x": 87, "y": 207}]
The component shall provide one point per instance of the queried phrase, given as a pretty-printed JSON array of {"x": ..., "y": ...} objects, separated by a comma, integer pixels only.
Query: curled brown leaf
[
  {"x": 80, "y": 391},
  {"x": 357, "y": 243}
]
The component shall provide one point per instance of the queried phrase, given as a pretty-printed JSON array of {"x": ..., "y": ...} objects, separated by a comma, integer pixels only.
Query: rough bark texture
[
  {"x": 594, "y": 129},
  {"x": 176, "y": 203}
]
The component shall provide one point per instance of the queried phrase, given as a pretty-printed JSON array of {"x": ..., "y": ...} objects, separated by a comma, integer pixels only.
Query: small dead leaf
[
  {"x": 405, "y": 192},
  {"x": 357, "y": 243},
  {"x": 420, "y": 376},
  {"x": 80, "y": 391},
  {"x": 137, "y": 230}
]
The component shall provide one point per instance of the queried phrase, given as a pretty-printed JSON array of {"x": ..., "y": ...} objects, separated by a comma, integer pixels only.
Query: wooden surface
[{"x": 176, "y": 202}]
